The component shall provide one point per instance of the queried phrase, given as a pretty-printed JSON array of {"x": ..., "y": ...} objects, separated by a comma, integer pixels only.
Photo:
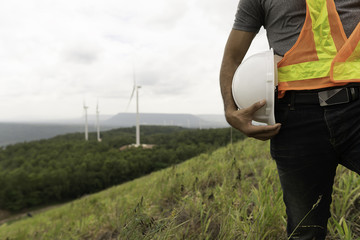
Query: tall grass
[{"x": 232, "y": 193}]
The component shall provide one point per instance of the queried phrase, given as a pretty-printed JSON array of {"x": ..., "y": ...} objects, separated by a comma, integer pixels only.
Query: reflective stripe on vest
[
  {"x": 322, "y": 55},
  {"x": 346, "y": 64}
]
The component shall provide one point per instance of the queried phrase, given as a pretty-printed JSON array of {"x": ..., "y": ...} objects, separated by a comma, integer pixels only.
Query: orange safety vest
[{"x": 322, "y": 55}]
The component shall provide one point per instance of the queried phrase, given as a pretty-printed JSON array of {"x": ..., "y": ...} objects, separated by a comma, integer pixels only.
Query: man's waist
[{"x": 323, "y": 97}]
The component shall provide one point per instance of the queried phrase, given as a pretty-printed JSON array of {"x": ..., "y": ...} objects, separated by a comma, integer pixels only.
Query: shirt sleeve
[{"x": 249, "y": 16}]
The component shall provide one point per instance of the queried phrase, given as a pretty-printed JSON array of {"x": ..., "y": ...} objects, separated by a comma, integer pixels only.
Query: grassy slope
[{"x": 232, "y": 193}]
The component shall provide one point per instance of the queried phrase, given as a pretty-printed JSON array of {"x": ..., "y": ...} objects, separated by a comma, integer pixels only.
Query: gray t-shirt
[{"x": 283, "y": 19}]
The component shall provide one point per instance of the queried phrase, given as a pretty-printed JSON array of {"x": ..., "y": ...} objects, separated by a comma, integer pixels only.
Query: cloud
[
  {"x": 60, "y": 52},
  {"x": 81, "y": 54}
]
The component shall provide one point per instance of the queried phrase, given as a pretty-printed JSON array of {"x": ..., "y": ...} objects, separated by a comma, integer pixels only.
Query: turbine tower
[
  {"x": 86, "y": 122},
  {"x": 137, "y": 117},
  {"x": 136, "y": 88},
  {"x": 98, "y": 122}
]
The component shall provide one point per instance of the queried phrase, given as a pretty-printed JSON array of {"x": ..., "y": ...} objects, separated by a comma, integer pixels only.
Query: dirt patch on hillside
[{"x": 4, "y": 214}]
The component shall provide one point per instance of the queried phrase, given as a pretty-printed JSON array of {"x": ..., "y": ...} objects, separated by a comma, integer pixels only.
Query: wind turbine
[
  {"x": 86, "y": 121},
  {"x": 136, "y": 88},
  {"x": 97, "y": 122}
]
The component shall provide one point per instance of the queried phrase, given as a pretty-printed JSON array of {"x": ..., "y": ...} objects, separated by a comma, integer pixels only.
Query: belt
[{"x": 321, "y": 97}]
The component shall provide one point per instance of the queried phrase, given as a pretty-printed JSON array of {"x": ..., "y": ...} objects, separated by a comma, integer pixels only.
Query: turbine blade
[
  {"x": 84, "y": 103},
  {"x": 131, "y": 97},
  {"x": 134, "y": 75}
]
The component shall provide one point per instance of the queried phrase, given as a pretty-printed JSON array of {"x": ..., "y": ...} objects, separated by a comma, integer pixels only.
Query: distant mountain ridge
[
  {"x": 11, "y": 133},
  {"x": 182, "y": 120}
]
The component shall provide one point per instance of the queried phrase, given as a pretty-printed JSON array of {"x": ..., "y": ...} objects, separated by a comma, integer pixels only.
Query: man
[{"x": 317, "y": 109}]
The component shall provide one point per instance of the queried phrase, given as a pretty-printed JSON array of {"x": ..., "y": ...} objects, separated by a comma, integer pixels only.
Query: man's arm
[{"x": 236, "y": 47}]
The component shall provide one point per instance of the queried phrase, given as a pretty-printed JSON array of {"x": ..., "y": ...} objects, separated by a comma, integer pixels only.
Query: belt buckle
[{"x": 334, "y": 97}]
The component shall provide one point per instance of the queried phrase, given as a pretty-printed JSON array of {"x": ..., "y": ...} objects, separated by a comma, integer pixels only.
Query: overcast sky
[{"x": 57, "y": 53}]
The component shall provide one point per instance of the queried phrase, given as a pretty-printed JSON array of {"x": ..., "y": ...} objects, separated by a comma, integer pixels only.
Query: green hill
[
  {"x": 67, "y": 167},
  {"x": 231, "y": 193}
]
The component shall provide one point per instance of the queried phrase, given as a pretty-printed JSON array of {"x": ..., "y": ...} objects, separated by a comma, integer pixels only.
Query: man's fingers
[
  {"x": 263, "y": 132},
  {"x": 256, "y": 106},
  {"x": 242, "y": 120},
  {"x": 267, "y": 136},
  {"x": 256, "y": 130}
]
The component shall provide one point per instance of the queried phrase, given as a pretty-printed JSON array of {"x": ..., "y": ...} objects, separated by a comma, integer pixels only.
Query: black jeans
[{"x": 312, "y": 141}]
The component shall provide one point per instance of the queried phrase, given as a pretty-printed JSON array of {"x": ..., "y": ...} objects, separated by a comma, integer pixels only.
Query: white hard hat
[{"x": 255, "y": 80}]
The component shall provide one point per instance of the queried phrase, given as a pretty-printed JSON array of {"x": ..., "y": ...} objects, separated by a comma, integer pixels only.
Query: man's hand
[
  {"x": 242, "y": 120},
  {"x": 235, "y": 50}
]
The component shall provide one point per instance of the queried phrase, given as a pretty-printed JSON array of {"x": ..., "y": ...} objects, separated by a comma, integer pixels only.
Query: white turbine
[
  {"x": 98, "y": 122},
  {"x": 136, "y": 88},
  {"x": 86, "y": 122}
]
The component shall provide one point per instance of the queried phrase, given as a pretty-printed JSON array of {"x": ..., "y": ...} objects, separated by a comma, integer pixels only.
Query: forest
[{"x": 66, "y": 167}]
